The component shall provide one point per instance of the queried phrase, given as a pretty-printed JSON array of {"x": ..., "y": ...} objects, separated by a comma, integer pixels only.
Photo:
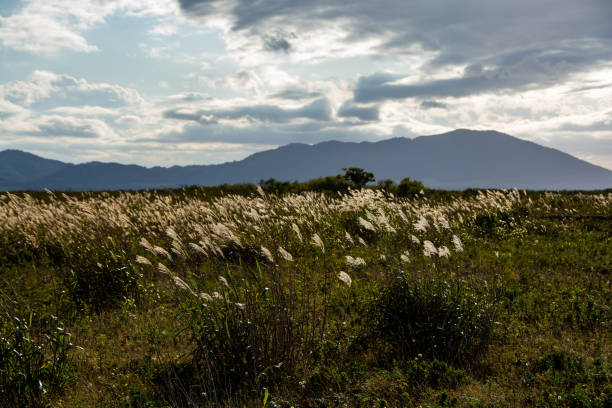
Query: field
[{"x": 185, "y": 299}]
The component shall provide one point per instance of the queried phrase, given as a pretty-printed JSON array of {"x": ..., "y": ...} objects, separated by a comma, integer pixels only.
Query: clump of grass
[
  {"x": 34, "y": 363},
  {"x": 434, "y": 318},
  {"x": 245, "y": 336}
]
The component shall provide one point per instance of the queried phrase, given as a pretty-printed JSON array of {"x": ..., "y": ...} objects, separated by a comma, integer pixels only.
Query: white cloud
[
  {"x": 128, "y": 120},
  {"x": 84, "y": 111},
  {"x": 73, "y": 127},
  {"x": 46, "y": 26},
  {"x": 65, "y": 90},
  {"x": 9, "y": 109},
  {"x": 40, "y": 34}
]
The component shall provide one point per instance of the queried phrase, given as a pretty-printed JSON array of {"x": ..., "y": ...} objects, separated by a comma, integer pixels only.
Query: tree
[
  {"x": 387, "y": 185},
  {"x": 408, "y": 188},
  {"x": 272, "y": 185},
  {"x": 359, "y": 177},
  {"x": 329, "y": 184}
]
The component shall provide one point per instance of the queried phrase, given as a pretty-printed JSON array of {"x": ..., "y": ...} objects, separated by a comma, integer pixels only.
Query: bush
[{"x": 432, "y": 319}]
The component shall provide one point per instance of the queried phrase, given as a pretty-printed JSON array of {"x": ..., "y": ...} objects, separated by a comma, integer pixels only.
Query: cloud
[
  {"x": 258, "y": 135},
  {"x": 48, "y": 106},
  {"x": 278, "y": 42},
  {"x": 296, "y": 94},
  {"x": 9, "y": 109},
  {"x": 64, "y": 90},
  {"x": 84, "y": 111},
  {"x": 317, "y": 110},
  {"x": 48, "y": 26},
  {"x": 350, "y": 110},
  {"x": 62, "y": 126},
  {"x": 515, "y": 71},
  {"x": 604, "y": 125},
  {"x": 189, "y": 97},
  {"x": 40, "y": 34},
  {"x": 306, "y": 70},
  {"x": 457, "y": 33},
  {"x": 197, "y": 116},
  {"x": 128, "y": 121},
  {"x": 433, "y": 104}
]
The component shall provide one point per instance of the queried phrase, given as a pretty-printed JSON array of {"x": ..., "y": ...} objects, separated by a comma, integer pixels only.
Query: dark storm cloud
[
  {"x": 433, "y": 104},
  {"x": 317, "y": 110},
  {"x": 557, "y": 37},
  {"x": 435, "y": 24},
  {"x": 350, "y": 110}
]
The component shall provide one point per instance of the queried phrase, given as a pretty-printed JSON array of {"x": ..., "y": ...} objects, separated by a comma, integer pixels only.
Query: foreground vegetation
[{"x": 195, "y": 297}]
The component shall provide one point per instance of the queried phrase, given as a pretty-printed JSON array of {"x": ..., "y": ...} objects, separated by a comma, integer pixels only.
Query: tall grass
[{"x": 265, "y": 296}]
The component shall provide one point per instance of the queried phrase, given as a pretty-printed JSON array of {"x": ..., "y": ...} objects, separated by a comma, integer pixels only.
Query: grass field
[{"x": 174, "y": 298}]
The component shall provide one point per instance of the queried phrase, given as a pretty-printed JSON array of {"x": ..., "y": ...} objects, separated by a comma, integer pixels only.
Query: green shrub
[{"x": 432, "y": 319}]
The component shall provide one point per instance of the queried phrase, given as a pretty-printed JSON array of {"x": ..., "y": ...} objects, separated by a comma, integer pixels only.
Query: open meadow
[{"x": 184, "y": 298}]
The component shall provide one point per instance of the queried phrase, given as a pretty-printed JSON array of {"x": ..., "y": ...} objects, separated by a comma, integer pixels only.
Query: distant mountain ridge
[{"x": 455, "y": 160}]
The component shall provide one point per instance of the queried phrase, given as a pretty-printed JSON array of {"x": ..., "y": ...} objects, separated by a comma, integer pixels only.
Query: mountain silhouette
[
  {"x": 455, "y": 160},
  {"x": 17, "y": 168}
]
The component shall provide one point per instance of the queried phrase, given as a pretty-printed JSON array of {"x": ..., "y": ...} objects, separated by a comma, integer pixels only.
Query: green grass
[{"x": 520, "y": 317}]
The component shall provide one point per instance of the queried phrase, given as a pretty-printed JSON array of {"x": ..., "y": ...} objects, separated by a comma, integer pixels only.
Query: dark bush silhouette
[{"x": 359, "y": 177}]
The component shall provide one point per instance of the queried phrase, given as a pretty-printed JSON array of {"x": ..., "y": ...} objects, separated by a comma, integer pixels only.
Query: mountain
[
  {"x": 455, "y": 160},
  {"x": 17, "y": 167}
]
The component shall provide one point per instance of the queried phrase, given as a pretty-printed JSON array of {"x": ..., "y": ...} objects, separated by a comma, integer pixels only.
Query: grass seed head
[
  {"x": 266, "y": 252},
  {"x": 286, "y": 255},
  {"x": 345, "y": 278},
  {"x": 429, "y": 248}
]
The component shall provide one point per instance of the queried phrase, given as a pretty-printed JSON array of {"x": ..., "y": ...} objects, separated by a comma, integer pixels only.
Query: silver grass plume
[{"x": 345, "y": 278}]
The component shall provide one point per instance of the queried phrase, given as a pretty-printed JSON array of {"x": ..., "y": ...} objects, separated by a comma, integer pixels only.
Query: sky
[{"x": 176, "y": 82}]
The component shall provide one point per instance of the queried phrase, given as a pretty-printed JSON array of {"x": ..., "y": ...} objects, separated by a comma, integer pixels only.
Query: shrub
[{"x": 433, "y": 319}]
